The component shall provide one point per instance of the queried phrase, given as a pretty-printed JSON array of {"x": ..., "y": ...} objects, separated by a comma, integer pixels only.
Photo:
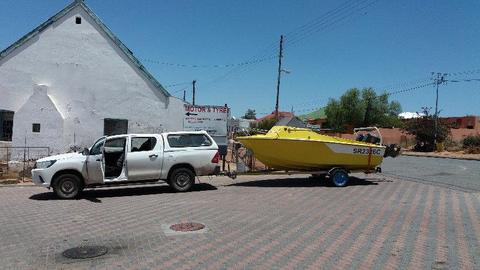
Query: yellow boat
[{"x": 300, "y": 149}]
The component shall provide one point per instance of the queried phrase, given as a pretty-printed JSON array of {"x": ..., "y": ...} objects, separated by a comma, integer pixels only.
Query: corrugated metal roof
[{"x": 108, "y": 32}]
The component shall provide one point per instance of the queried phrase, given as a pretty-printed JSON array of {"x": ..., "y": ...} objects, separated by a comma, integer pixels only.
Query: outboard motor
[{"x": 392, "y": 150}]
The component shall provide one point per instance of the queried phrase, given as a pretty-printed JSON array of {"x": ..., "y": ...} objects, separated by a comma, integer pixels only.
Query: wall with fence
[{"x": 18, "y": 161}]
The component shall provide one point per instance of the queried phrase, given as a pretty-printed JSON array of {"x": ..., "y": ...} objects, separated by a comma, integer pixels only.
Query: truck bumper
[{"x": 40, "y": 178}]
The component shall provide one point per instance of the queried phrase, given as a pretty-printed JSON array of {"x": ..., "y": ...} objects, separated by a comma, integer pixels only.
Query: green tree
[
  {"x": 362, "y": 108},
  {"x": 250, "y": 114},
  {"x": 353, "y": 107},
  {"x": 335, "y": 115}
]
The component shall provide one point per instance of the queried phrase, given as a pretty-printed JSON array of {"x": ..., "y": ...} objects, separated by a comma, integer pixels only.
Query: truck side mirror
[{"x": 85, "y": 152}]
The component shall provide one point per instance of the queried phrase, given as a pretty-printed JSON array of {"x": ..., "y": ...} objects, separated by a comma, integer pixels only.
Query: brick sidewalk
[{"x": 256, "y": 222}]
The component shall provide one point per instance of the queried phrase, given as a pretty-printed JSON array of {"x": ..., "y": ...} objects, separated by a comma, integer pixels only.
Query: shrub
[
  {"x": 451, "y": 145},
  {"x": 423, "y": 128},
  {"x": 471, "y": 141},
  {"x": 471, "y": 144}
]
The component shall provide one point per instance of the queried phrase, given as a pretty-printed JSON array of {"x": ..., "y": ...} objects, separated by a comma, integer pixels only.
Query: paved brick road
[
  {"x": 263, "y": 222},
  {"x": 453, "y": 173}
]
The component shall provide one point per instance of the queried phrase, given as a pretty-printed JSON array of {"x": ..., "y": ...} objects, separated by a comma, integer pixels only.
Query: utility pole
[
  {"x": 193, "y": 95},
  {"x": 184, "y": 94},
  {"x": 440, "y": 79},
  {"x": 367, "y": 112},
  {"x": 280, "y": 55}
]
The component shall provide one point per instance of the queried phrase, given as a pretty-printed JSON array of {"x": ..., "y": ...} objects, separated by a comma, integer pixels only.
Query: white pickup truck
[{"x": 175, "y": 157}]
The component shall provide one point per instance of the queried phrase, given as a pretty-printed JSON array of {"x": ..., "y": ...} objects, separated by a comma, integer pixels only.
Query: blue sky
[{"x": 389, "y": 45}]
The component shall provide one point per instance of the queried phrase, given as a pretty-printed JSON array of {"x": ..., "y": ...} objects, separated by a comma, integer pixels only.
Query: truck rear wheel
[
  {"x": 181, "y": 179},
  {"x": 67, "y": 186}
]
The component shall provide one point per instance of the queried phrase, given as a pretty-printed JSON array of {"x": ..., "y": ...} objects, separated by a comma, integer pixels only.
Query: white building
[
  {"x": 410, "y": 115},
  {"x": 71, "y": 80}
]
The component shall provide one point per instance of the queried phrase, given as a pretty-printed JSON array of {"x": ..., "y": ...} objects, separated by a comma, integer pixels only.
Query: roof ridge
[{"x": 36, "y": 31}]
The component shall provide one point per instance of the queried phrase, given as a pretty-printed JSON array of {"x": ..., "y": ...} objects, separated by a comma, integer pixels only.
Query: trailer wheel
[{"x": 339, "y": 177}]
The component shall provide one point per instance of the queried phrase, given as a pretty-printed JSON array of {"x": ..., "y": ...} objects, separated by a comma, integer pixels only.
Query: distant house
[
  {"x": 315, "y": 119},
  {"x": 291, "y": 121},
  {"x": 410, "y": 115},
  {"x": 237, "y": 124},
  {"x": 71, "y": 80},
  {"x": 272, "y": 115},
  {"x": 468, "y": 122}
]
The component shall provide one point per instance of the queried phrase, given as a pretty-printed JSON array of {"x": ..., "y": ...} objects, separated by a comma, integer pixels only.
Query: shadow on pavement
[
  {"x": 93, "y": 195},
  {"x": 302, "y": 182}
]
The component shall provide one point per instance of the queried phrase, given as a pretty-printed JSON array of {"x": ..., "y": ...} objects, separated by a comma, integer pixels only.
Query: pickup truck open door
[{"x": 94, "y": 163}]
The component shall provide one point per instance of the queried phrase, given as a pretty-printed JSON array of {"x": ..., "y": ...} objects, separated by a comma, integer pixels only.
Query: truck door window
[
  {"x": 97, "y": 148},
  {"x": 140, "y": 144},
  {"x": 115, "y": 145}
]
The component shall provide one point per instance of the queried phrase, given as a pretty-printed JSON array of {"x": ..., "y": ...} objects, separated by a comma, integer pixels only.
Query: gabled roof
[
  {"x": 291, "y": 121},
  {"x": 318, "y": 114},
  {"x": 103, "y": 27},
  {"x": 272, "y": 115}
]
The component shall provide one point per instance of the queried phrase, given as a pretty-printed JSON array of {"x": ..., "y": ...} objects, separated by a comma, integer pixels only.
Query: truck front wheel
[
  {"x": 181, "y": 179},
  {"x": 67, "y": 186}
]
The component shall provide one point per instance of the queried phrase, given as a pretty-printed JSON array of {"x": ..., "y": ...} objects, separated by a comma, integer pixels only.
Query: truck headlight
[{"x": 44, "y": 164}]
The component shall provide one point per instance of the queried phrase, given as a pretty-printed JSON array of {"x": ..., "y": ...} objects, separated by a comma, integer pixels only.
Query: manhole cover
[
  {"x": 187, "y": 227},
  {"x": 439, "y": 265},
  {"x": 85, "y": 252}
]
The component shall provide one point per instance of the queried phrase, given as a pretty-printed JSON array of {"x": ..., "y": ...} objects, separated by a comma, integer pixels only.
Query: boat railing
[{"x": 369, "y": 137}]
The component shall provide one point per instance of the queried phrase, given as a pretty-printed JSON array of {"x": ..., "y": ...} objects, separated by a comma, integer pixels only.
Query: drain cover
[
  {"x": 85, "y": 252},
  {"x": 187, "y": 227},
  {"x": 440, "y": 265}
]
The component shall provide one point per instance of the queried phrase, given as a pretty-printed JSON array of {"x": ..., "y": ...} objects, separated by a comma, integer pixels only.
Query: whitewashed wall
[
  {"x": 88, "y": 79},
  {"x": 38, "y": 109}
]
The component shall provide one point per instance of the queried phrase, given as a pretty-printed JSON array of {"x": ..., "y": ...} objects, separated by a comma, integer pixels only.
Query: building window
[
  {"x": 6, "y": 125},
  {"x": 78, "y": 20},
  {"x": 36, "y": 127},
  {"x": 115, "y": 126}
]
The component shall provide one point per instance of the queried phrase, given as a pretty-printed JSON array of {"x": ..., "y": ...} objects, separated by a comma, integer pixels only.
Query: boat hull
[{"x": 311, "y": 155}]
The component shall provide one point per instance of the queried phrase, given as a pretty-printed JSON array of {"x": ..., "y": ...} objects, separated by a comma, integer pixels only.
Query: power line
[
  {"x": 180, "y": 90},
  {"x": 335, "y": 19},
  {"x": 466, "y": 72},
  {"x": 405, "y": 84},
  {"x": 463, "y": 80},
  {"x": 409, "y": 89},
  {"x": 318, "y": 19},
  {"x": 252, "y": 62},
  {"x": 391, "y": 93},
  {"x": 324, "y": 20},
  {"x": 176, "y": 84},
  {"x": 390, "y": 87},
  {"x": 303, "y": 32}
]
